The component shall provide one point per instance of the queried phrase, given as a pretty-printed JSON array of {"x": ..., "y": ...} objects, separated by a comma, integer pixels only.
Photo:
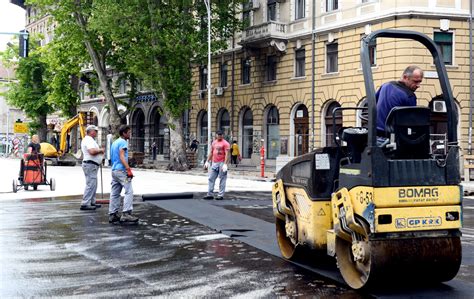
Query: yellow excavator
[
  {"x": 388, "y": 213},
  {"x": 59, "y": 156}
]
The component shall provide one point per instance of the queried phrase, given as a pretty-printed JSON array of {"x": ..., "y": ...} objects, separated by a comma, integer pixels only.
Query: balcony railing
[{"x": 265, "y": 31}]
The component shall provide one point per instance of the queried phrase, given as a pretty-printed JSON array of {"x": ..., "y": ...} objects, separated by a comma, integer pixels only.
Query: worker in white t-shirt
[{"x": 90, "y": 165}]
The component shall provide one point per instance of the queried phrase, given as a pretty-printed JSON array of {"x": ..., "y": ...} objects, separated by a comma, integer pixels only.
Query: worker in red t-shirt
[{"x": 219, "y": 157}]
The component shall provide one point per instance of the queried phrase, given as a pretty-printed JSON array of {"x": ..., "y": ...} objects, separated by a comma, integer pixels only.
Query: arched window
[
  {"x": 247, "y": 133},
  {"x": 203, "y": 128},
  {"x": 301, "y": 122},
  {"x": 273, "y": 133},
  {"x": 138, "y": 131},
  {"x": 224, "y": 122},
  {"x": 328, "y": 119},
  {"x": 160, "y": 123}
]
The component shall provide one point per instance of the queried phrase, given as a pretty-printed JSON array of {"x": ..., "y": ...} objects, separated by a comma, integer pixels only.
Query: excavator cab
[
  {"x": 385, "y": 212},
  {"x": 60, "y": 156}
]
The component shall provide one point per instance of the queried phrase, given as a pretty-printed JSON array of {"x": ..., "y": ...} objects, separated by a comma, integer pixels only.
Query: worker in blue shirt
[
  {"x": 121, "y": 179},
  {"x": 395, "y": 94}
]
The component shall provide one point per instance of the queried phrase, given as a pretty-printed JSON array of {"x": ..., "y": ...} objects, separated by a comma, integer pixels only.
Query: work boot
[
  {"x": 208, "y": 197},
  {"x": 127, "y": 217},
  {"x": 87, "y": 208},
  {"x": 96, "y": 205},
  {"x": 114, "y": 218}
]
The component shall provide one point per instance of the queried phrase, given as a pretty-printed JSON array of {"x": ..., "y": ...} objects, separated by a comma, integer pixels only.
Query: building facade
[
  {"x": 146, "y": 118},
  {"x": 148, "y": 123},
  {"x": 262, "y": 87},
  {"x": 297, "y": 60}
]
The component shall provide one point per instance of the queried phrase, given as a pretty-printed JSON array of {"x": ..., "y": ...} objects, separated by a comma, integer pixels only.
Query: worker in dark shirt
[
  {"x": 194, "y": 145},
  {"x": 395, "y": 94},
  {"x": 34, "y": 147}
]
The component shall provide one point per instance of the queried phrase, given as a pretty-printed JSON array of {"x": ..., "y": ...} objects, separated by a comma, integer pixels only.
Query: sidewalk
[
  {"x": 70, "y": 181},
  {"x": 244, "y": 172}
]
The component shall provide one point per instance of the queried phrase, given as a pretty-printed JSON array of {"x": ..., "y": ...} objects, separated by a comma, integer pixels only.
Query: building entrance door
[
  {"x": 301, "y": 122},
  {"x": 138, "y": 131}
]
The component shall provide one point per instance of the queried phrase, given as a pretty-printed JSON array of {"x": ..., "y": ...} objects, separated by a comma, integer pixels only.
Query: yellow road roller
[{"x": 389, "y": 212}]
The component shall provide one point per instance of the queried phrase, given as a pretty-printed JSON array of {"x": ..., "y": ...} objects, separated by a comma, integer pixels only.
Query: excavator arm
[{"x": 71, "y": 123}]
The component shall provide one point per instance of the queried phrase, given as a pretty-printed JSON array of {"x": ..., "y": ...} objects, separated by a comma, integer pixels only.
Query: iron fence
[{"x": 16, "y": 145}]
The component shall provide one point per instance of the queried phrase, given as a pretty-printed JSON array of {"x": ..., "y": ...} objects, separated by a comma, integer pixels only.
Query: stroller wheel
[{"x": 52, "y": 184}]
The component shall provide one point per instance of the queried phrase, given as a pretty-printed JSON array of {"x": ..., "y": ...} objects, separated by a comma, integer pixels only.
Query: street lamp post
[
  {"x": 471, "y": 88},
  {"x": 209, "y": 89},
  {"x": 8, "y": 133}
]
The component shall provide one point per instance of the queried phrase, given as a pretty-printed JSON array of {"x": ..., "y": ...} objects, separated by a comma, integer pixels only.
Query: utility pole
[
  {"x": 8, "y": 133},
  {"x": 471, "y": 91},
  {"x": 209, "y": 88},
  {"x": 313, "y": 71}
]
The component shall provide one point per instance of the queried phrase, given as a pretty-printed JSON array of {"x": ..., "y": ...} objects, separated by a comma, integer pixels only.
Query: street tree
[
  {"x": 64, "y": 60},
  {"x": 160, "y": 41},
  {"x": 150, "y": 39},
  {"x": 74, "y": 25},
  {"x": 29, "y": 91}
]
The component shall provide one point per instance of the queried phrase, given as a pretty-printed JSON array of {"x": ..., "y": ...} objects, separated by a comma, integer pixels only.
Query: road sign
[{"x": 20, "y": 128}]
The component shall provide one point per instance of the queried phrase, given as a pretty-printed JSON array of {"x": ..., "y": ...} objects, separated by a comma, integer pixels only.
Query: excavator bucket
[{"x": 48, "y": 150}]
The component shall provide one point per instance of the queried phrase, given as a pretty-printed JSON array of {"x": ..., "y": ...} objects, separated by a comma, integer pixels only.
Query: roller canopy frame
[{"x": 440, "y": 68}]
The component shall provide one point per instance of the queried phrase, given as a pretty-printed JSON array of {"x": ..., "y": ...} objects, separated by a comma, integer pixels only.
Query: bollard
[
  {"x": 262, "y": 160},
  {"x": 16, "y": 147}
]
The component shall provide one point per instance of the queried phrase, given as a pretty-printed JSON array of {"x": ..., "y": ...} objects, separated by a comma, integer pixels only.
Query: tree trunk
[
  {"x": 178, "y": 160},
  {"x": 43, "y": 129},
  {"x": 99, "y": 65}
]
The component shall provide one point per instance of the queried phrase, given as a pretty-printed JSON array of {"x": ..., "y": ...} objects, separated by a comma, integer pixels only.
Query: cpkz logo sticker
[
  {"x": 418, "y": 222},
  {"x": 424, "y": 221}
]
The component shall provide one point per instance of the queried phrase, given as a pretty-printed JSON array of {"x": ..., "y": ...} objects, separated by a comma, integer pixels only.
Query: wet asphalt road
[
  {"x": 48, "y": 248},
  {"x": 248, "y": 217}
]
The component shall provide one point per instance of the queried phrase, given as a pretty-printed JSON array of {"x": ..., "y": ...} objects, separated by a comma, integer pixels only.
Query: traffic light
[{"x": 24, "y": 43}]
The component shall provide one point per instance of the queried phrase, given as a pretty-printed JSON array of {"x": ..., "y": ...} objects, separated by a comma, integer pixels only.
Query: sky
[{"x": 12, "y": 19}]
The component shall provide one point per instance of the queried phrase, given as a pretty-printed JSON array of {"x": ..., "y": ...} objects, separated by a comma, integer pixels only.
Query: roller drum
[
  {"x": 417, "y": 259},
  {"x": 410, "y": 260}
]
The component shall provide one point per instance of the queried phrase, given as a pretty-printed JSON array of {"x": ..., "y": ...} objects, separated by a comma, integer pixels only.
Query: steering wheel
[{"x": 364, "y": 115}]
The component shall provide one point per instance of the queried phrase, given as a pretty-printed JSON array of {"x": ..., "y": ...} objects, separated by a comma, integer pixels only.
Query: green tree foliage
[
  {"x": 153, "y": 40},
  {"x": 30, "y": 90},
  {"x": 159, "y": 42},
  {"x": 64, "y": 59},
  {"x": 74, "y": 20}
]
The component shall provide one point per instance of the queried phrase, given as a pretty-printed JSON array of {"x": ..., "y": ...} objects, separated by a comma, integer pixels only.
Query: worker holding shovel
[{"x": 90, "y": 165}]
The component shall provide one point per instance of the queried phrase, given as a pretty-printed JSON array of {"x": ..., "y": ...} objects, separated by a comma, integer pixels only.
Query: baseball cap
[
  {"x": 219, "y": 132},
  {"x": 91, "y": 127}
]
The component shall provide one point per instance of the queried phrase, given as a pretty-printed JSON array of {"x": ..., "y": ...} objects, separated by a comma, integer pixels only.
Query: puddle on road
[{"x": 210, "y": 237}]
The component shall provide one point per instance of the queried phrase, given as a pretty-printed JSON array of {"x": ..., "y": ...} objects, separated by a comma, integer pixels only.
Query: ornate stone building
[
  {"x": 295, "y": 62},
  {"x": 262, "y": 88}
]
